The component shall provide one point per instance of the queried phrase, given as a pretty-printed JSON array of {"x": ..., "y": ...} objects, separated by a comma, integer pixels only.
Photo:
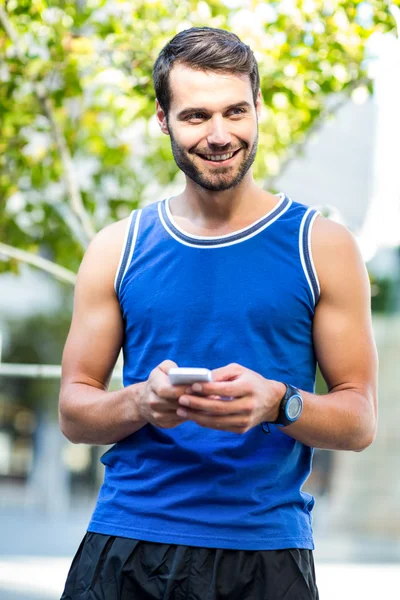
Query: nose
[{"x": 218, "y": 134}]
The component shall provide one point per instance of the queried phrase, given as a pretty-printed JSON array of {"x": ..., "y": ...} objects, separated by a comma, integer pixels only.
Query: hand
[
  {"x": 158, "y": 401},
  {"x": 253, "y": 399}
]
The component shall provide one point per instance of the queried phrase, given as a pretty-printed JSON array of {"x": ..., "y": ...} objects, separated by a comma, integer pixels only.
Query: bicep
[
  {"x": 343, "y": 337},
  {"x": 96, "y": 333}
]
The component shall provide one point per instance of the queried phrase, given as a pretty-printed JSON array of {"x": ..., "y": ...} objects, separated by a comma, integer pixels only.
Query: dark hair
[{"x": 205, "y": 49}]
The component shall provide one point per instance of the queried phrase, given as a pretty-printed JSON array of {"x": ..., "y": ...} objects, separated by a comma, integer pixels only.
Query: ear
[
  {"x": 259, "y": 103},
  {"x": 161, "y": 118}
]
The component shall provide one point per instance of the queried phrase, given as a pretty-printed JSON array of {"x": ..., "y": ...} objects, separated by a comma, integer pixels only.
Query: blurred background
[{"x": 80, "y": 148}]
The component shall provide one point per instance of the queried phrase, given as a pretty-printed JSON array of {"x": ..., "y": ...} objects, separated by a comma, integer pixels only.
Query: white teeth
[{"x": 219, "y": 156}]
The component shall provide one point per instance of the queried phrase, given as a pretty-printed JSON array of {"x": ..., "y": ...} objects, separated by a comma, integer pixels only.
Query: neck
[{"x": 200, "y": 205}]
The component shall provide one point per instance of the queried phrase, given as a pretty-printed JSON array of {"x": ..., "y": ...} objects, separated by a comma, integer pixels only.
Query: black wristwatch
[{"x": 290, "y": 407}]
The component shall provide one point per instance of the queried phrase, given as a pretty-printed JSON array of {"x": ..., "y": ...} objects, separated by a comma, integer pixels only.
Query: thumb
[
  {"x": 166, "y": 365},
  {"x": 228, "y": 373}
]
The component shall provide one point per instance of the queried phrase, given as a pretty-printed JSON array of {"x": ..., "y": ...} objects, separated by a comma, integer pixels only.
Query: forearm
[
  {"x": 342, "y": 420},
  {"x": 89, "y": 415}
]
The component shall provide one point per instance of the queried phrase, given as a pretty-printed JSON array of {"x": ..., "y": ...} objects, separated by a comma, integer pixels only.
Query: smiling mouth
[{"x": 219, "y": 158}]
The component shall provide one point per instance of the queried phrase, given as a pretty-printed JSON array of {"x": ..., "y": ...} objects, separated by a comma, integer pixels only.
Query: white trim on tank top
[
  {"x": 123, "y": 249},
  {"x": 303, "y": 262},
  {"x": 227, "y": 235},
  {"x": 134, "y": 237}
]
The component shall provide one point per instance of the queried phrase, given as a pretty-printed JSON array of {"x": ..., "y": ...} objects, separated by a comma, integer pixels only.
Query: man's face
[{"x": 213, "y": 125}]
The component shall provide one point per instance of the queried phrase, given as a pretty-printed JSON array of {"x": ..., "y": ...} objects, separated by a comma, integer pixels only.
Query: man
[{"x": 202, "y": 495}]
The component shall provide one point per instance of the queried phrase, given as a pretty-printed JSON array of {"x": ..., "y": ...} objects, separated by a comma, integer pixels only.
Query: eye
[
  {"x": 240, "y": 110},
  {"x": 197, "y": 115}
]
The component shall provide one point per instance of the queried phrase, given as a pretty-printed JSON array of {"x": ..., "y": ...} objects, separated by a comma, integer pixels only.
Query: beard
[{"x": 222, "y": 178}]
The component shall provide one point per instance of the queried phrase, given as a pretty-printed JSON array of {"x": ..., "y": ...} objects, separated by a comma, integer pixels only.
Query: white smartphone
[{"x": 188, "y": 375}]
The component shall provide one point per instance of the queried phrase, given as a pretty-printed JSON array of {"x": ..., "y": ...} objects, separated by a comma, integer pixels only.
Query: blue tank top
[{"x": 246, "y": 297}]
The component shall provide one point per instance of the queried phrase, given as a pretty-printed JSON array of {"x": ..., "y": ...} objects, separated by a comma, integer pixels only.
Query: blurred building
[{"x": 336, "y": 169}]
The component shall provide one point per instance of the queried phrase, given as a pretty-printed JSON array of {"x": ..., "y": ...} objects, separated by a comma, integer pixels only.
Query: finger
[
  {"x": 164, "y": 407},
  {"x": 227, "y": 373},
  {"x": 169, "y": 392},
  {"x": 163, "y": 404},
  {"x": 189, "y": 392},
  {"x": 235, "y": 423},
  {"x": 161, "y": 384},
  {"x": 166, "y": 365},
  {"x": 217, "y": 406},
  {"x": 170, "y": 423},
  {"x": 235, "y": 389}
]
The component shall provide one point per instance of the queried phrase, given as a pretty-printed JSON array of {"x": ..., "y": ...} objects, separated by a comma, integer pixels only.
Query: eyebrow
[{"x": 188, "y": 111}]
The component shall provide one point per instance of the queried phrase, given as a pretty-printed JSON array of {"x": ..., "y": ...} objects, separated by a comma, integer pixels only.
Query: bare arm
[
  {"x": 346, "y": 417},
  {"x": 88, "y": 412}
]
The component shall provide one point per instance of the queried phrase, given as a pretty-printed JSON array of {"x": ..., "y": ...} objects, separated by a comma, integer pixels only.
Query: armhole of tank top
[
  {"x": 127, "y": 249},
  {"x": 306, "y": 258}
]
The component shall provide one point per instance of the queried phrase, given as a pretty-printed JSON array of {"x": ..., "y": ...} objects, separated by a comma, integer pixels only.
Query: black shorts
[{"x": 107, "y": 567}]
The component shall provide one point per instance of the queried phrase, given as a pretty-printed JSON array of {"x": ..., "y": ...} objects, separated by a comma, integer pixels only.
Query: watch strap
[{"x": 282, "y": 419}]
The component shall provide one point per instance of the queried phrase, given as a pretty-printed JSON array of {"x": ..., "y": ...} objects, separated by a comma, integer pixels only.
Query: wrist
[
  {"x": 135, "y": 402},
  {"x": 279, "y": 390},
  {"x": 290, "y": 408}
]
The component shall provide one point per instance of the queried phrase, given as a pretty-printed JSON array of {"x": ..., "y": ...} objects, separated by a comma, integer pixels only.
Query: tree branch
[
  {"x": 71, "y": 220},
  {"x": 57, "y": 271},
  {"x": 8, "y": 28},
  {"x": 75, "y": 197},
  {"x": 296, "y": 149},
  {"x": 70, "y": 180}
]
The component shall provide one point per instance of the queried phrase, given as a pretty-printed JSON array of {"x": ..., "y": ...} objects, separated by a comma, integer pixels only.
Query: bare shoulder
[
  {"x": 329, "y": 236},
  {"x": 104, "y": 252},
  {"x": 110, "y": 239},
  {"x": 337, "y": 257}
]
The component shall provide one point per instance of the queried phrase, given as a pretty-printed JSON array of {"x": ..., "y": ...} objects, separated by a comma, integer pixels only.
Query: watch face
[{"x": 294, "y": 408}]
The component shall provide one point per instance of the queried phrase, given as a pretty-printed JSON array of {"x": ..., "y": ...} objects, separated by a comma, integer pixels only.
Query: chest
[{"x": 227, "y": 287}]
